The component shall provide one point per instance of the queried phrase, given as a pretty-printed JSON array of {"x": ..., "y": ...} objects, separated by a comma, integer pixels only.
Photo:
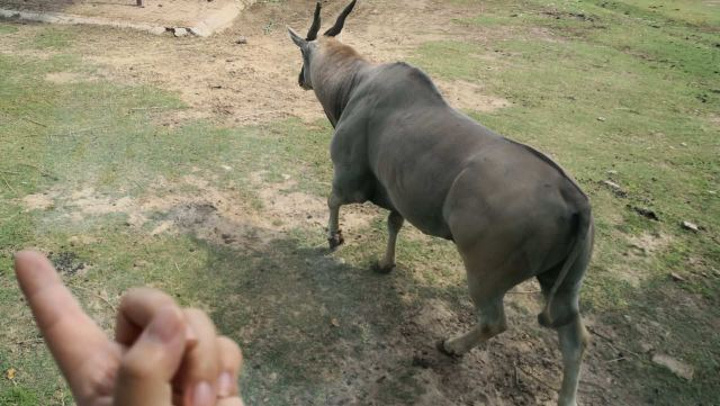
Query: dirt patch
[
  {"x": 643, "y": 247},
  {"x": 39, "y": 201},
  {"x": 435, "y": 316},
  {"x": 647, "y": 244},
  {"x": 469, "y": 96},
  {"x": 87, "y": 202},
  {"x": 221, "y": 216},
  {"x": 286, "y": 208},
  {"x": 715, "y": 119}
]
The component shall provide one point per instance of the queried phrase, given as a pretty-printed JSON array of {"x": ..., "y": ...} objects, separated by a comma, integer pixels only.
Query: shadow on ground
[{"x": 318, "y": 330}]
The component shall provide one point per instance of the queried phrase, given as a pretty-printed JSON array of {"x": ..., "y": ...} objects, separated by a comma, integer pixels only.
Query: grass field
[{"x": 230, "y": 218}]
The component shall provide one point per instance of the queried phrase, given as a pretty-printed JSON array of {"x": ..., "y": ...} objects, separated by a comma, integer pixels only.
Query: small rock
[
  {"x": 242, "y": 40},
  {"x": 226, "y": 167},
  {"x": 611, "y": 184},
  {"x": 683, "y": 144},
  {"x": 274, "y": 376},
  {"x": 679, "y": 368},
  {"x": 200, "y": 31},
  {"x": 334, "y": 322},
  {"x": 615, "y": 188},
  {"x": 420, "y": 362},
  {"x": 180, "y": 32},
  {"x": 677, "y": 278},
  {"x": 158, "y": 30},
  {"x": 646, "y": 347},
  {"x": 690, "y": 226},
  {"x": 601, "y": 119},
  {"x": 612, "y": 172}
]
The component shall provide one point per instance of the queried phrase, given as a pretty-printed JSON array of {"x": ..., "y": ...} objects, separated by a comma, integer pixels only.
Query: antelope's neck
[{"x": 337, "y": 72}]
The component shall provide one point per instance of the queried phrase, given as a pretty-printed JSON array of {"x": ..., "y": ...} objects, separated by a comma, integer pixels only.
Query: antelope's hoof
[
  {"x": 381, "y": 268},
  {"x": 440, "y": 345},
  {"x": 336, "y": 241}
]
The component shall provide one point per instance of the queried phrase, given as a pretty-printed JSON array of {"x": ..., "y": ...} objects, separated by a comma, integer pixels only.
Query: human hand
[{"x": 162, "y": 354}]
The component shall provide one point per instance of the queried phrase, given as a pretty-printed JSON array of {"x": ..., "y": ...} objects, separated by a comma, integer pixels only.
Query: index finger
[{"x": 69, "y": 332}]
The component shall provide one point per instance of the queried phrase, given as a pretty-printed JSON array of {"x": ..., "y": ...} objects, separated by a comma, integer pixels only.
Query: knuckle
[
  {"x": 136, "y": 368},
  {"x": 229, "y": 346},
  {"x": 200, "y": 321},
  {"x": 144, "y": 296}
]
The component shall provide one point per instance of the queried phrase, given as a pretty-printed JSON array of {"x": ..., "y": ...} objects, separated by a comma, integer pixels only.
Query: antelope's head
[{"x": 309, "y": 45}]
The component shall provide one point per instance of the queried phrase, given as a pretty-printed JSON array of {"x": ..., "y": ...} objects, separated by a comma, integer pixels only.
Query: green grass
[
  {"x": 628, "y": 86},
  {"x": 52, "y": 39},
  {"x": 7, "y": 29}
]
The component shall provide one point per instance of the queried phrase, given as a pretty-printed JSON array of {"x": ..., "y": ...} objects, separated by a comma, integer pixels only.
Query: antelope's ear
[{"x": 297, "y": 39}]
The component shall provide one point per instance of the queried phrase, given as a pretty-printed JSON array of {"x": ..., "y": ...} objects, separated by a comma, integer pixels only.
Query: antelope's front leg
[{"x": 335, "y": 238}]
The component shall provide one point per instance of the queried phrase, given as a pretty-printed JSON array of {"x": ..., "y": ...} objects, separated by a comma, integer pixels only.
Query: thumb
[{"x": 150, "y": 364}]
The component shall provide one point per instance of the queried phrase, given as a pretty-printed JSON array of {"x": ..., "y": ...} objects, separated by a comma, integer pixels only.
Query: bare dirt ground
[
  {"x": 255, "y": 83},
  {"x": 155, "y": 15}
]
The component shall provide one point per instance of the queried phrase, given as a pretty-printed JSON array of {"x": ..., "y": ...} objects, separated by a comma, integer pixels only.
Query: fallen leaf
[
  {"x": 11, "y": 374},
  {"x": 335, "y": 322}
]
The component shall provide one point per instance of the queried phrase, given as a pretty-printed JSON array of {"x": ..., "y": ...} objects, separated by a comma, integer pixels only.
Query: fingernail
[
  {"x": 203, "y": 395},
  {"x": 225, "y": 384},
  {"x": 164, "y": 327}
]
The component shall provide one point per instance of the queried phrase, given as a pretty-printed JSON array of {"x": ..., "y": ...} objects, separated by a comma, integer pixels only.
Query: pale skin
[{"x": 161, "y": 354}]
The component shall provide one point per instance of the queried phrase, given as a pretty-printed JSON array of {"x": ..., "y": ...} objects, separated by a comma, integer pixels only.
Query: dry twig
[
  {"x": 8, "y": 185},
  {"x": 615, "y": 347}
]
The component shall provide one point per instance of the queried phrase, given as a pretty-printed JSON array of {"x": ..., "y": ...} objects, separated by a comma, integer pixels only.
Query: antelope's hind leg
[
  {"x": 394, "y": 224},
  {"x": 572, "y": 335},
  {"x": 490, "y": 322}
]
